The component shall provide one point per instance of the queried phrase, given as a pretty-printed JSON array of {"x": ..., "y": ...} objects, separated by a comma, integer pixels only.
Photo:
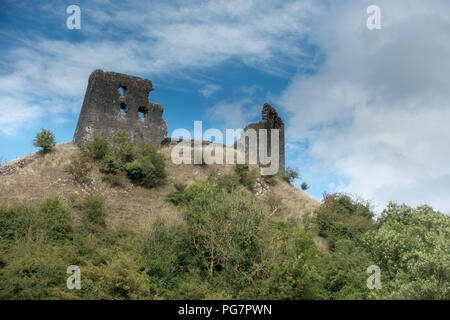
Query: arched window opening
[
  {"x": 122, "y": 90},
  {"x": 123, "y": 108}
]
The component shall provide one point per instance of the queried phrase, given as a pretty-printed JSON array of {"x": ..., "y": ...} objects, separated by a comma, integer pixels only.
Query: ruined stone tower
[
  {"x": 270, "y": 120},
  {"x": 115, "y": 101}
]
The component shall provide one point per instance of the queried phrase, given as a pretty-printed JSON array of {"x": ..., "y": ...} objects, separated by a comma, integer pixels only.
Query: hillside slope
[{"x": 32, "y": 178}]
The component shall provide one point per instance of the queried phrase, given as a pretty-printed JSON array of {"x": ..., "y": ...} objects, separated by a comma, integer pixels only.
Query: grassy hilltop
[{"x": 141, "y": 227}]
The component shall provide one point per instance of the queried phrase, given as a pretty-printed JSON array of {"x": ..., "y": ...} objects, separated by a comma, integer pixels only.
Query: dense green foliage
[
  {"x": 228, "y": 247},
  {"x": 341, "y": 217},
  {"x": 141, "y": 163},
  {"x": 98, "y": 148},
  {"x": 410, "y": 245},
  {"x": 148, "y": 167},
  {"x": 93, "y": 211},
  {"x": 44, "y": 140}
]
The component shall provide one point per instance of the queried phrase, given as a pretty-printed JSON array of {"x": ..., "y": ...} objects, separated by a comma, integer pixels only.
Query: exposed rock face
[
  {"x": 10, "y": 168},
  {"x": 115, "y": 101},
  {"x": 270, "y": 120}
]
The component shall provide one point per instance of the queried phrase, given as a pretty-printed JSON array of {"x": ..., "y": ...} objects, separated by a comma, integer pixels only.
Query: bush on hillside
[
  {"x": 55, "y": 218},
  {"x": 412, "y": 248},
  {"x": 94, "y": 211},
  {"x": 111, "y": 167},
  {"x": 122, "y": 148},
  {"x": 44, "y": 140},
  {"x": 148, "y": 169},
  {"x": 290, "y": 175},
  {"x": 79, "y": 169},
  {"x": 98, "y": 148},
  {"x": 16, "y": 222},
  {"x": 177, "y": 197},
  {"x": 341, "y": 217},
  {"x": 246, "y": 176}
]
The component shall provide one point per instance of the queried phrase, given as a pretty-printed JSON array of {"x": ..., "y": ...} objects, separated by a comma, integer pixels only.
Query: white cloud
[
  {"x": 233, "y": 115},
  {"x": 19, "y": 115},
  {"x": 209, "y": 89},
  {"x": 378, "y": 111},
  {"x": 152, "y": 38}
]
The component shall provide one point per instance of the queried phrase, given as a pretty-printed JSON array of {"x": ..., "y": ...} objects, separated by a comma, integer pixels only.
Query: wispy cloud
[
  {"x": 233, "y": 114},
  {"x": 209, "y": 89}
]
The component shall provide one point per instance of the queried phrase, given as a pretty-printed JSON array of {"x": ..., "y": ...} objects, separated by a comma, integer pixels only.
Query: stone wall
[
  {"x": 114, "y": 101},
  {"x": 270, "y": 120}
]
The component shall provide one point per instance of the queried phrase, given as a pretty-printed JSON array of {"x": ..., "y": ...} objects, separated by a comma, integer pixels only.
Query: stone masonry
[
  {"x": 270, "y": 120},
  {"x": 115, "y": 101}
]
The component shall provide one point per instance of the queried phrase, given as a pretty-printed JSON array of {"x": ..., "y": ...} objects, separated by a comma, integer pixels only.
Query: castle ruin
[
  {"x": 115, "y": 101},
  {"x": 270, "y": 120}
]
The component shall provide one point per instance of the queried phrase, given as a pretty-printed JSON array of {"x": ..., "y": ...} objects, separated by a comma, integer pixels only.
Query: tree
[
  {"x": 290, "y": 175},
  {"x": 411, "y": 246},
  {"x": 45, "y": 140}
]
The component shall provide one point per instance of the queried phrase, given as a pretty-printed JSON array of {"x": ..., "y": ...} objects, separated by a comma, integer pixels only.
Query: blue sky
[{"x": 366, "y": 111}]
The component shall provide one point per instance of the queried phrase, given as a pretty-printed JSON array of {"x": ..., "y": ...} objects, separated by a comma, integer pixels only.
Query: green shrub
[
  {"x": 293, "y": 266},
  {"x": 270, "y": 180},
  {"x": 241, "y": 169},
  {"x": 79, "y": 169},
  {"x": 304, "y": 186},
  {"x": 55, "y": 218},
  {"x": 341, "y": 217},
  {"x": 290, "y": 175},
  {"x": 246, "y": 176},
  {"x": 202, "y": 187},
  {"x": 110, "y": 165},
  {"x": 122, "y": 147},
  {"x": 225, "y": 229},
  {"x": 94, "y": 211},
  {"x": 166, "y": 252},
  {"x": 344, "y": 272},
  {"x": 98, "y": 148},
  {"x": 177, "y": 196},
  {"x": 45, "y": 140},
  {"x": 34, "y": 271},
  {"x": 121, "y": 277},
  {"x": 148, "y": 169},
  {"x": 227, "y": 182},
  {"x": 412, "y": 248},
  {"x": 17, "y": 222}
]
